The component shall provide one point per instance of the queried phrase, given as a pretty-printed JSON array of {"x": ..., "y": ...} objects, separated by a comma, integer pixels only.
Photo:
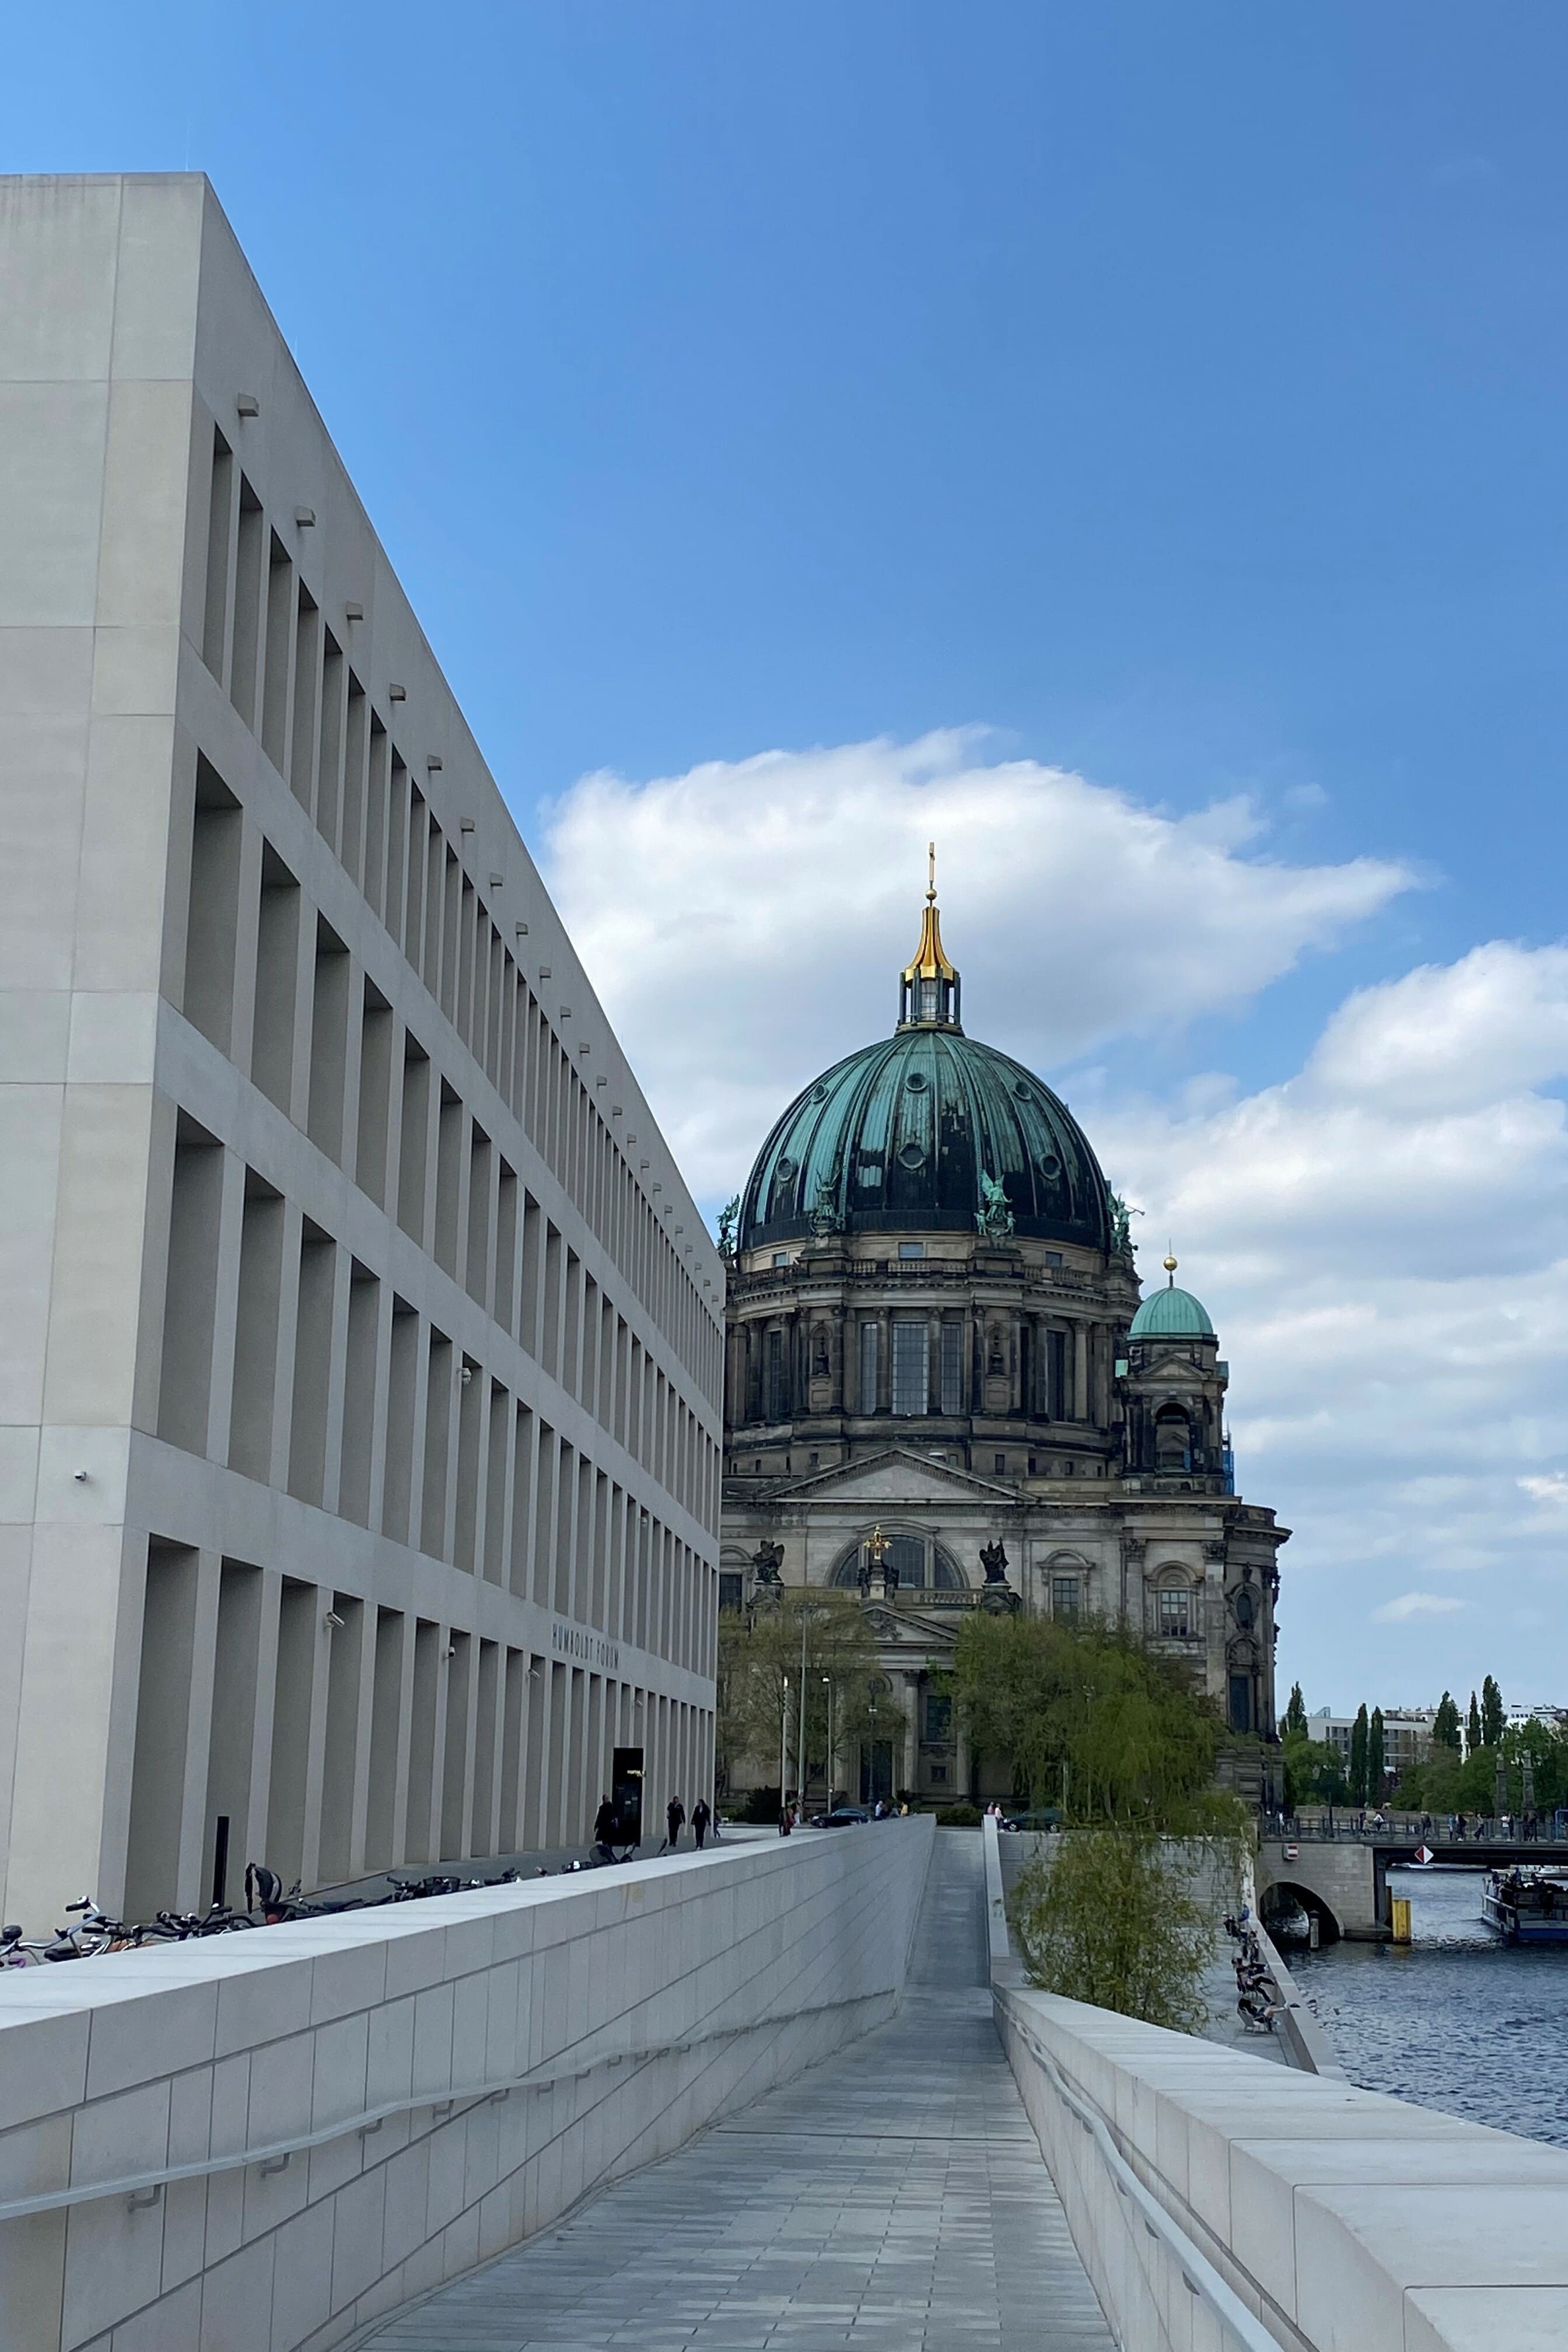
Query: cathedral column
[
  {"x": 911, "y": 1732},
  {"x": 933, "y": 1359},
  {"x": 837, "y": 1328},
  {"x": 884, "y": 1361},
  {"x": 1080, "y": 1399}
]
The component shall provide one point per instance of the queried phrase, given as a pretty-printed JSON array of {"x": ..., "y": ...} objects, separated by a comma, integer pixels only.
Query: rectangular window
[
  {"x": 1176, "y": 1612},
  {"x": 732, "y": 1589},
  {"x": 1241, "y": 1703},
  {"x": 1056, "y": 1376},
  {"x": 778, "y": 1404},
  {"x": 867, "y": 1367},
  {"x": 939, "y": 1717},
  {"x": 1063, "y": 1598},
  {"x": 912, "y": 1249},
  {"x": 911, "y": 1376},
  {"x": 953, "y": 1337}
]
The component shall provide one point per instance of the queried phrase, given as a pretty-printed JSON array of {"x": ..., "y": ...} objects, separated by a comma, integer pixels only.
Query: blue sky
[{"x": 1175, "y": 394}]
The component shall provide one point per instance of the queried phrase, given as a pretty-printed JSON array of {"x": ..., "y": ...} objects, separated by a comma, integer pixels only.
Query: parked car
[
  {"x": 842, "y": 1816},
  {"x": 1046, "y": 1818}
]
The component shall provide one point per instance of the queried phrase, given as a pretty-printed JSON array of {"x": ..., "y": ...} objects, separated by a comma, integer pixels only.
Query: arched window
[
  {"x": 1172, "y": 1439},
  {"x": 1176, "y": 1605},
  {"x": 922, "y": 1564}
]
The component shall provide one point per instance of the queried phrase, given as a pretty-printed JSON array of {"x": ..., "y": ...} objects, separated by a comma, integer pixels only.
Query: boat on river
[{"x": 1526, "y": 1907}]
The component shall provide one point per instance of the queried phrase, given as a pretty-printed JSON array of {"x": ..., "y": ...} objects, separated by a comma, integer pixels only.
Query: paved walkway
[{"x": 892, "y": 2198}]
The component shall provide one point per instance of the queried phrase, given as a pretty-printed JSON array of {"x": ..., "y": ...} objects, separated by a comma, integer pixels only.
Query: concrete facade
[
  {"x": 360, "y": 1394},
  {"x": 274, "y": 2138}
]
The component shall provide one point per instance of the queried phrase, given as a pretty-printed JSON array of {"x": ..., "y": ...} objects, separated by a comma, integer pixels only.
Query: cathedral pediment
[
  {"x": 909, "y": 1629},
  {"x": 1179, "y": 1370},
  {"x": 898, "y": 1476}
]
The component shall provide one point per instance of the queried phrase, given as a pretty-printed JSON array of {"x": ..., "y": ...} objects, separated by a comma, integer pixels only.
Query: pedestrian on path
[
  {"x": 675, "y": 1819},
  {"x": 700, "y": 1817}
]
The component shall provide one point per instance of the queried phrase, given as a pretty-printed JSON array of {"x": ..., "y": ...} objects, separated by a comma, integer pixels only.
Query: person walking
[
  {"x": 700, "y": 1817},
  {"x": 606, "y": 1825},
  {"x": 675, "y": 1820}
]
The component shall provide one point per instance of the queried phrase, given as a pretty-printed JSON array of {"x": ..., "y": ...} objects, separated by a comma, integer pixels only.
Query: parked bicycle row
[{"x": 91, "y": 1931}]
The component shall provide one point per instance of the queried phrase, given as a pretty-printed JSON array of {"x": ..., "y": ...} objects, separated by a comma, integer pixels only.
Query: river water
[{"x": 1456, "y": 2019}]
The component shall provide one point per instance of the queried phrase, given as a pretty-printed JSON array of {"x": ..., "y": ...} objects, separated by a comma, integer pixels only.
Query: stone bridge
[{"x": 1342, "y": 1883}]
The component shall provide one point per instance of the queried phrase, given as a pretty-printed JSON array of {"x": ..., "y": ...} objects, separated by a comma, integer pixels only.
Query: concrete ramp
[{"x": 892, "y": 2198}]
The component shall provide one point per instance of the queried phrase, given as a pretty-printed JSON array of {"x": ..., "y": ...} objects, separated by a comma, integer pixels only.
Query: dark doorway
[
  {"x": 876, "y": 1771},
  {"x": 1241, "y": 1702},
  {"x": 625, "y": 1795}
]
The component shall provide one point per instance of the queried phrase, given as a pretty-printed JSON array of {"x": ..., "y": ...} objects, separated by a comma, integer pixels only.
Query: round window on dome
[
  {"x": 1023, "y": 1093},
  {"x": 785, "y": 1170},
  {"x": 912, "y": 1155},
  {"x": 1050, "y": 1165},
  {"x": 819, "y": 1094},
  {"x": 917, "y": 1082}
]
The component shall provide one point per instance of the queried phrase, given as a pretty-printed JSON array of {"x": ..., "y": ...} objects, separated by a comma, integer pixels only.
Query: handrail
[
  {"x": 146, "y": 2188},
  {"x": 1199, "y": 2275}
]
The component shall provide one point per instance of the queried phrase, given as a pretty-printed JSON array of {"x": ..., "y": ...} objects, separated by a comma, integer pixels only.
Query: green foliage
[
  {"x": 759, "y": 1655},
  {"x": 1445, "y": 1784},
  {"x": 1473, "y": 1726},
  {"x": 1360, "y": 1736},
  {"x": 1492, "y": 1717},
  {"x": 1296, "y": 1710},
  {"x": 1375, "y": 1774},
  {"x": 1446, "y": 1730},
  {"x": 1314, "y": 1771},
  {"x": 1109, "y": 1921},
  {"x": 1091, "y": 1720},
  {"x": 958, "y": 1817}
]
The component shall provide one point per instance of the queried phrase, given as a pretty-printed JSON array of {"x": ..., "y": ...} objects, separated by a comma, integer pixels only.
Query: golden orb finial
[{"x": 1169, "y": 1264}]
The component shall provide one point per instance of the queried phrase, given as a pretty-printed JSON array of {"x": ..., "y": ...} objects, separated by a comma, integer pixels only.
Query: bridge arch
[{"x": 1277, "y": 1899}]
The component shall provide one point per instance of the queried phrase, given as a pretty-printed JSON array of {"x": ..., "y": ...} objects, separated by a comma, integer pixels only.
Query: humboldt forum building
[{"x": 361, "y": 1347}]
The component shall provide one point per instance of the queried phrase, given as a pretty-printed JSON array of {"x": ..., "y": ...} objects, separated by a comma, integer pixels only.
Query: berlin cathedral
[{"x": 944, "y": 1391}]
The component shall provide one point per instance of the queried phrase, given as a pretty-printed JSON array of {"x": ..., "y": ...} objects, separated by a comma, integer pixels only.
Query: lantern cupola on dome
[{"x": 929, "y": 986}]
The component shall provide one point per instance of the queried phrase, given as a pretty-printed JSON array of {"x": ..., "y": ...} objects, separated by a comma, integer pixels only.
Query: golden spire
[{"x": 929, "y": 983}]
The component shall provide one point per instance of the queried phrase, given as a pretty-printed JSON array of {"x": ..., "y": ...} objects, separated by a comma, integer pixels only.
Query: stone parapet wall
[
  {"x": 1340, "y": 2220},
  {"x": 360, "y": 2107}
]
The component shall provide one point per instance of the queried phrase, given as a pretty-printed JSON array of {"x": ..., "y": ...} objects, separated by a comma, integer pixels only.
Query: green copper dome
[
  {"x": 1170, "y": 1314},
  {"x": 897, "y": 1137}
]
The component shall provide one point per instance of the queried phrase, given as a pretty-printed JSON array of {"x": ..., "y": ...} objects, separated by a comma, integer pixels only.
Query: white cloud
[
  {"x": 1381, "y": 1239},
  {"x": 1406, "y": 1605},
  {"x": 745, "y": 923},
  {"x": 1452, "y": 1037}
]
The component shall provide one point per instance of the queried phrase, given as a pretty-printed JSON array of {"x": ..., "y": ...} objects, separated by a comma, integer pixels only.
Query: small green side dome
[{"x": 1170, "y": 1314}]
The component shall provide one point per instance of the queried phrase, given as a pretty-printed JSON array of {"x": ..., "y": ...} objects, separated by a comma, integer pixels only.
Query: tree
[
  {"x": 1446, "y": 1724},
  {"x": 1374, "y": 1747},
  {"x": 759, "y": 1653},
  {"x": 1359, "y": 1736},
  {"x": 1295, "y": 1711},
  {"x": 1090, "y": 1718},
  {"x": 1473, "y": 1728},
  {"x": 1491, "y": 1713},
  {"x": 1109, "y": 1921},
  {"x": 1314, "y": 1771}
]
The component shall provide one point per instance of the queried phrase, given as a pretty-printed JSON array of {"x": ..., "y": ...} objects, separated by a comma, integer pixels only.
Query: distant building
[
  {"x": 362, "y": 1345},
  {"x": 943, "y": 1390}
]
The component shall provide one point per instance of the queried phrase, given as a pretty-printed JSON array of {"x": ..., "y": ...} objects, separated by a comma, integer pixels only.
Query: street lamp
[
  {"x": 827, "y": 1686},
  {"x": 784, "y": 1746}
]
